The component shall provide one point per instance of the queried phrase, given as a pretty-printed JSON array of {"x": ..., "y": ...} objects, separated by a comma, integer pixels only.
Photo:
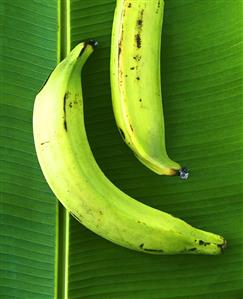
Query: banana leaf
[{"x": 44, "y": 252}]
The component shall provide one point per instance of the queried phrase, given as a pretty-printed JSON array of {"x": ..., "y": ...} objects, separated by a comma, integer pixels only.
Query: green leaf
[
  {"x": 202, "y": 72},
  {"x": 27, "y": 205}
]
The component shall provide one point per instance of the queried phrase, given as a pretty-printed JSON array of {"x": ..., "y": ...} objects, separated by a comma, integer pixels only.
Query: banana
[
  {"x": 77, "y": 181},
  {"x": 135, "y": 82}
]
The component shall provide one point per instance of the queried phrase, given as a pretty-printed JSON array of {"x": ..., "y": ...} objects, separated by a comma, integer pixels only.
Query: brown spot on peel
[
  {"x": 150, "y": 249},
  {"x": 153, "y": 250},
  {"x": 158, "y": 6},
  {"x": 201, "y": 242},
  {"x": 140, "y": 22},
  {"x": 65, "y": 125},
  {"x": 192, "y": 249},
  {"x": 138, "y": 40},
  {"x": 137, "y": 57},
  {"x": 64, "y": 102},
  {"x": 64, "y": 110},
  {"x": 138, "y": 34}
]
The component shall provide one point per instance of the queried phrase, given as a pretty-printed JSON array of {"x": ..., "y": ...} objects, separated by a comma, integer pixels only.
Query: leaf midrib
[{"x": 62, "y": 229}]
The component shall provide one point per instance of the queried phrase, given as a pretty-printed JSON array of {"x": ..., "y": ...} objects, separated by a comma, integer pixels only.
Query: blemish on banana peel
[
  {"x": 140, "y": 19},
  {"x": 120, "y": 72},
  {"x": 120, "y": 40},
  {"x": 150, "y": 249},
  {"x": 138, "y": 40},
  {"x": 139, "y": 27},
  {"x": 65, "y": 125},
  {"x": 64, "y": 110},
  {"x": 129, "y": 5},
  {"x": 141, "y": 222},
  {"x": 140, "y": 22},
  {"x": 221, "y": 246},
  {"x": 64, "y": 102},
  {"x": 120, "y": 46},
  {"x": 42, "y": 143},
  {"x": 153, "y": 250},
  {"x": 158, "y": 6},
  {"x": 201, "y": 242},
  {"x": 131, "y": 127},
  {"x": 119, "y": 50},
  {"x": 137, "y": 57}
]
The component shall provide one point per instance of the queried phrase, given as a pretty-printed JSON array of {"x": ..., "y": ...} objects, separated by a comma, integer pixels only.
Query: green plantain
[
  {"x": 72, "y": 173},
  {"x": 135, "y": 82}
]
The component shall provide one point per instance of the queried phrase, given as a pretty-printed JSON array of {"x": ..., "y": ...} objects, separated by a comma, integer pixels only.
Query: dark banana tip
[
  {"x": 93, "y": 43},
  {"x": 183, "y": 173},
  {"x": 223, "y": 246}
]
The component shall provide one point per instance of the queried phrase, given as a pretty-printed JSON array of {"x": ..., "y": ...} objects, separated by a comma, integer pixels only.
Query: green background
[{"x": 202, "y": 83}]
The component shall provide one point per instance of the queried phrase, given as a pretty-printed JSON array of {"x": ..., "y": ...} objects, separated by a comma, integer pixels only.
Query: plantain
[
  {"x": 77, "y": 181},
  {"x": 136, "y": 83}
]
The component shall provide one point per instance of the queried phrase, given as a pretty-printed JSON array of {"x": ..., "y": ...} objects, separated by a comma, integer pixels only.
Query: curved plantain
[
  {"x": 72, "y": 173},
  {"x": 135, "y": 82}
]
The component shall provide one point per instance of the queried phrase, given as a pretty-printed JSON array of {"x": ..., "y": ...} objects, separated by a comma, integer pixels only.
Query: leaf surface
[{"x": 27, "y": 206}]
